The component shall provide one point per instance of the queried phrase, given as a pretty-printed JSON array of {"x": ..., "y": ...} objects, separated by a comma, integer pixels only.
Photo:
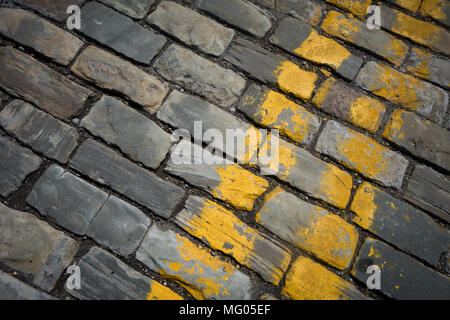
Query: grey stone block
[{"x": 14, "y": 289}]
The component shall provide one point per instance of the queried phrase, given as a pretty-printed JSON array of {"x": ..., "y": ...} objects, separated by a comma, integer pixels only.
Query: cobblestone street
[{"x": 89, "y": 175}]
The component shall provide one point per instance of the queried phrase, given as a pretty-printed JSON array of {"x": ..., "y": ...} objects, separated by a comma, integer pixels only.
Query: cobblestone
[
  {"x": 53, "y": 9},
  {"x": 436, "y": 9},
  {"x": 136, "y": 9},
  {"x": 301, "y": 9},
  {"x": 13, "y": 289}
]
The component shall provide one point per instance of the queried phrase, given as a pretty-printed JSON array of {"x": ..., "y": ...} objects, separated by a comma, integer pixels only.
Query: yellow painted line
[
  {"x": 160, "y": 292},
  {"x": 293, "y": 80}
]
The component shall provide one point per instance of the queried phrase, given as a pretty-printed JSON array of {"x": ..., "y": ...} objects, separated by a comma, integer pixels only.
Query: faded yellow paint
[
  {"x": 322, "y": 92},
  {"x": 322, "y": 50},
  {"x": 160, "y": 292},
  {"x": 271, "y": 112},
  {"x": 294, "y": 80},
  {"x": 411, "y": 5},
  {"x": 394, "y": 127},
  {"x": 238, "y": 186},
  {"x": 357, "y": 7},
  {"x": 246, "y": 151},
  {"x": 282, "y": 161},
  {"x": 367, "y": 113},
  {"x": 337, "y": 185},
  {"x": 363, "y": 205},
  {"x": 422, "y": 67},
  {"x": 374, "y": 252},
  {"x": 308, "y": 280},
  {"x": 433, "y": 8},
  {"x": 329, "y": 237},
  {"x": 225, "y": 232}
]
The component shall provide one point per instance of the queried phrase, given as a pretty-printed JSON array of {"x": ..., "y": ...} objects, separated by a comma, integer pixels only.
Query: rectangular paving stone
[
  {"x": 136, "y": 135},
  {"x": 307, "y": 10},
  {"x": 223, "y": 180},
  {"x": 120, "y": 33},
  {"x": 16, "y": 163},
  {"x": 240, "y": 13},
  {"x": 419, "y": 31},
  {"x": 309, "y": 227},
  {"x": 357, "y": 7},
  {"x": 136, "y": 8},
  {"x": 342, "y": 101},
  {"x": 411, "y": 5},
  {"x": 199, "y": 75},
  {"x": 119, "y": 226},
  {"x": 24, "y": 77},
  {"x": 72, "y": 202},
  {"x": 422, "y": 138},
  {"x": 399, "y": 88},
  {"x": 203, "y": 275},
  {"x": 32, "y": 31},
  {"x": 300, "y": 39},
  {"x": 308, "y": 280},
  {"x": 53, "y": 9},
  {"x": 107, "y": 167},
  {"x": 196, "y": 116},
  {"x": 14, "y": 289},
  {"x": 303, "y": 171},
  {"x": 112, "y": 73},
  {"x": 396, "y": 222},
  {"x": 356, "y": 32},
  {"x": 273, "y": 110},
  {"x": 192, "y": 28},
  {"x": 41, "y": 131},
  {"x": 223, "y": 231},
  {"x": 267, "y": 3},
  {"x": 436, "y": 9},
  {"x": 429, "y": 67},
  {"x": 31, "y": 246},
  {"x": 358, "y": 152},
  {"x": 430, "y": 191},
  {"x": 402, "y": 277},
  {"x": 104, "y": 277},
  {"x": 269, "y": 68}
]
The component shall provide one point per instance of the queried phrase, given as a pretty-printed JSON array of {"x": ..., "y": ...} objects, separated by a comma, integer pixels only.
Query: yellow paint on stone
[
  {"x": 323, "y": 50},
  {"x": 247, "y": 150},
  {"x": 357, "y": 7},
  {"x": 394, "y": 127},
  {"x": 433, "y": 8},
  {"x": 308, "y": 280},
  {"x": 367, "y": 113},
  {"x": 294, "y": 80},
  {"x": 411, "y": 5},
  {"x": 238, "y": 186},
  {"x": 363, "y": 205},
  {"x": 422, "y": 68},
  {"x": 160, "y": 292},
  {"x": 336, "y": 184}
]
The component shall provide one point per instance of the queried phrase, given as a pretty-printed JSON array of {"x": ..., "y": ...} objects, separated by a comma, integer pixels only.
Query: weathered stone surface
[
  {"x": 419, "y": 31},
  {"x": 16, "y": 163},
  {"x": 422, "y": 138},
  {"x": 411, "y": 5},
  {"x": 120, "y": 33},
  {"x": 340, "y": 100},
  {"x": 412, "y": 93},
  {"x": 399, "y": 223},
  {"x": 104, "y": 277},
  {"x": 42, "y": 132},
  {"x": 299, "y": 38},
  {"x": 191, "y": 27},
  {"x": 107, "y": 167},
  {"x": 196, "y": 116},
  {"x": 267, "y": 3},
  {"x": 430, "y": 191},
  {"x": 429, "y": 67},
  {"x": 436, "y": 9},
  {"x": 309, "y": 227},
  {"x": 223, "y": 231},
  {"x": 72, "y": 202},
  {"x": 363, "y": 154},
  {"x": 112, "y": 73},
  {"x": 136, "y": 135},
  {"x": 308, "y": 280},
  {"x": 35, "y": 32},
  {"x": 301, "y": 9},
  {"x": 356, "y": 32},
  {"x": 223, "y": 180},
  {"x": 119, "y": 226},
  {"x": 267, "y": 67},
  {"x": 357, "y": 7},
  {"x": 53, "y": 9},
  {"x": 14, "y": 289},
  {"x": 401, "y": 276},
  {"x": 205, "y": 276},
  {"x": 307, "y": 173},
  {"x": 271, "y": 109},
  {"x": 24, "y": 77},
  {"x": 33, "y": 247},
  {"x": 136, "y": 8},
  {"x": 242, "y": 14},
  {"x": 221, "y": 86}
]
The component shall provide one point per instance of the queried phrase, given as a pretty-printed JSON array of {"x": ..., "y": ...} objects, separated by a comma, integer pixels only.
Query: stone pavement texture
[{"x": 88, "y": 157}]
